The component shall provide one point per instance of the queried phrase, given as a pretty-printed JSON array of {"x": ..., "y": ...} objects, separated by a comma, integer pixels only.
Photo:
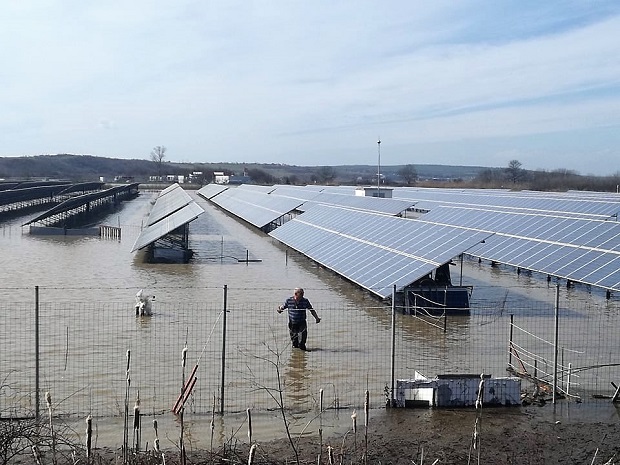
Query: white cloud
[{"x": 311, "y": 82}]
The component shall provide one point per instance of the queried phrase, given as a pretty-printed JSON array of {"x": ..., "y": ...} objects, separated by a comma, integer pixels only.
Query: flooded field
[{"x": 86, "y": 288}]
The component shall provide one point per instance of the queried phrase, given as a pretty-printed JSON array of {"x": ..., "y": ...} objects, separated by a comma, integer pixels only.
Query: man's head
[{"x": 298, "y": 293}]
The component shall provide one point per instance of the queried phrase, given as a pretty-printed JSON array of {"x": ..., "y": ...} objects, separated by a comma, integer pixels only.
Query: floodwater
[{"x": 86, "y": 288}]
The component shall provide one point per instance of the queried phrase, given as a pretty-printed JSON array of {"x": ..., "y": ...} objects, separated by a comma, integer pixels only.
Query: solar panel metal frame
[{"x": 76, "y": 202}]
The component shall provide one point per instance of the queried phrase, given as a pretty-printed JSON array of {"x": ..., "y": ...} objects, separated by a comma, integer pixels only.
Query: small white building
[
  {"x": 220, "y": 178},
  {"x": 196, "y": 176},
  {"x": 382, "y": 192}
]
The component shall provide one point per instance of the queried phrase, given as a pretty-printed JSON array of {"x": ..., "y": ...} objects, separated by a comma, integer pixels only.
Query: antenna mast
[{"x": 378, "y": 165}]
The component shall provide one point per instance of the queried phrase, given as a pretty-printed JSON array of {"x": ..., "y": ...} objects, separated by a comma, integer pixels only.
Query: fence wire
[{"x": 84, "y": 350}]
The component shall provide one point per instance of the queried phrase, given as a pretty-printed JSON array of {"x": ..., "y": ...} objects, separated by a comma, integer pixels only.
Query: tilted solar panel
[
  {"x": 211, "y": 190},
  {"x": 373, "y": 250},
  {"x": 167, "y": 204},
  {"x": 256, "y": 207},
  {"x": 166, "y": 225},
  {"x": 371, "y": 204}
]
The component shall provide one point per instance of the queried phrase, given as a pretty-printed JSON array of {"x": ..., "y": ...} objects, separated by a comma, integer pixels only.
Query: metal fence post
[
  {"x": 223, "y": 349},
  {"x": 36, "y": 353},
  {"x": 555, "y": 340},
  {"x": 512, "y": 318},
  {"x": 445, "y": 309},
  {"x": 393, "y": 367}
]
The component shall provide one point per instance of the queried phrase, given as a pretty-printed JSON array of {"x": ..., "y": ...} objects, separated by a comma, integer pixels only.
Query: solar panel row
[
  {"x": 170, "y": 211},
  {"x": 370, "y": 204},
  {"x": 567, "y": 203},
  {"x": 77, "y": 202},
  {"x": 577, "y": 249},
  {"x": 375, "y": 251},
  {"x": 571, "y": 235},
  {"x": 266, "y": 205},
  {"x": 254, "y": 206}
]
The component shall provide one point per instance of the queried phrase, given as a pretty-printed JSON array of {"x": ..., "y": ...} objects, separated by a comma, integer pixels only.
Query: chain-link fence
[{"x": 84, "y": 353}]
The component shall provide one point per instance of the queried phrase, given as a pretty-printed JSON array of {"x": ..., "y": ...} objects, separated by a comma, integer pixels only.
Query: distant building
[
  {"x": 123, "y": 178},
  {"x": 175, "y": 178},
  {"x": 220, "y": 178},
  {"x": 196, "y": 177},
  {"x": 382, "y": 192}
]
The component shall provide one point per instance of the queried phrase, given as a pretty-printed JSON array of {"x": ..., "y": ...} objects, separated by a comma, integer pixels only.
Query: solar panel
[
  {"x": 167, "y": 224},
  {"x": 569, "y": 261},
  {"x": 168, "y": 203},
  {"x": 371, "y": 204},
  {"x": 255, "y": 207},
  {"x": 295, "y": 192},
  {"x": 170, "y": 188},
  {"x": 211, "y": 190},
  {"x": 369, "y": 249},
  {"x": 567, "y": 230},
  {"x": 255, "y": 188},
  {"x": 561, "y": 234},
  {"x": 574, "y": 204}
]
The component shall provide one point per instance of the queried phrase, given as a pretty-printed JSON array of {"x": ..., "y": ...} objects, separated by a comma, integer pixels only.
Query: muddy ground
[
  {"x": 568, "y": 433},
  {"x": 526, "y": 435}
]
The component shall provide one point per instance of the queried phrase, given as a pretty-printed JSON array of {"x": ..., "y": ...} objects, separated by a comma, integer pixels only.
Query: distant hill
[{"x": 88, "y": 167}]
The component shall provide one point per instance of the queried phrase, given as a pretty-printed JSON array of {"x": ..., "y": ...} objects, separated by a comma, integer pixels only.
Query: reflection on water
[{"x": 296, "y": 376}]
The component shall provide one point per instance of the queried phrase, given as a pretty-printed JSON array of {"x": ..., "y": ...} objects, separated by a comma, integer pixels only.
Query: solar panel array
[
  {"x": 571, "y": 235},
  {"x": 255, "y": 206},
  {"x": 296, "y": 192},
  {"x": 577, "y": 204},
  {"x": 18, "y": 194},
  {"x": 170, "y": 211},
  {"x": 265, "y": 205},
  {"x": 577, "y": 249},
  {"x": 74, "y": 203},
  {"x": 370, "y": 204},
  {"x": 373, "y": 250}
]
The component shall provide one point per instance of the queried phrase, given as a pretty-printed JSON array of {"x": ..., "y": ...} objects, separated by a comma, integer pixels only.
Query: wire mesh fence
[{"x": 92, "y": 356}]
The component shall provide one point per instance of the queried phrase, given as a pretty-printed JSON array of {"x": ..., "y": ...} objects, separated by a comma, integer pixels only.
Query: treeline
[
  {"x": 80, "y": 168},
  {"x": 541, "y": 180}
]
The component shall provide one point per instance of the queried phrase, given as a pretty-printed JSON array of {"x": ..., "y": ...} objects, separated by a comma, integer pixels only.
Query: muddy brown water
[{"x": 85, "y": 270}]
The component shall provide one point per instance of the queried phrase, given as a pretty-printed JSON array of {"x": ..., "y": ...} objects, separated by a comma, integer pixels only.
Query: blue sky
[{"x": 315, "y": 82}]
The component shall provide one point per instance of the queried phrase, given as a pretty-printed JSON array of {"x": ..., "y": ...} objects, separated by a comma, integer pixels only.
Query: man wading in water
[{"x": 297, "y": 306}]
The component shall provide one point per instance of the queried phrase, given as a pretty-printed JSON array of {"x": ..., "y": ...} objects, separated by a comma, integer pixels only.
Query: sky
[{"x": 315, "y": 83}]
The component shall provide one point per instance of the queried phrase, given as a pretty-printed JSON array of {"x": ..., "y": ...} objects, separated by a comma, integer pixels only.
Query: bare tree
[
  {"x": 158, "y": 154},
  {"x": 514, "y": 171},
  {"x": 409, "y": 174},
  {"x": 326, "y": 174}
]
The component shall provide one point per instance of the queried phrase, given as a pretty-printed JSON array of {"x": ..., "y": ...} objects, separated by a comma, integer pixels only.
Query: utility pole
[{"x": 378, "y": 165}]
